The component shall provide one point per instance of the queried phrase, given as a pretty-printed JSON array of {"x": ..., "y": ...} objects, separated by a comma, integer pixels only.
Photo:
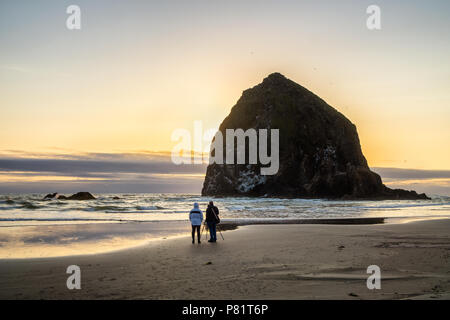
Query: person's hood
[{"x": 195, "y": 205}]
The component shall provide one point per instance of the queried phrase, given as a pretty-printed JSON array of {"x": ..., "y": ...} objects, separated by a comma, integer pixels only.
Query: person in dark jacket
[{"x": 212, "y": 218}]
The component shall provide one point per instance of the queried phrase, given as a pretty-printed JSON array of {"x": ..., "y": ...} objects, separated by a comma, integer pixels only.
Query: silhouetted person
[
  {"x": 196, "y": 218},
  {"x": 212, "y": 219}
]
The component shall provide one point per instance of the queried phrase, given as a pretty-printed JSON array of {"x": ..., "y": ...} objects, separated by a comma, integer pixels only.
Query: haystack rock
[{"x": 319, "y": 156}]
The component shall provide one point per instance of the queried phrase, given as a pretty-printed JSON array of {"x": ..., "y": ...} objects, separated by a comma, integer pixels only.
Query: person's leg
[
  {"x": 210, "y": 226},
  {"x": 198, "y": 234},
  {"x": 193, "y": 234},
  {"x": 214, "y": 231}
]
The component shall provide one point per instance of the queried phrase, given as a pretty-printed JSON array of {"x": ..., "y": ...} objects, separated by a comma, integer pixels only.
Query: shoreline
[{"x": 291, "y": 261}]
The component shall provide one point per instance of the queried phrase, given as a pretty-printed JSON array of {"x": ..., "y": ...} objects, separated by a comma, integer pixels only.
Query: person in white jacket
[{"x": 196, "y": 218}]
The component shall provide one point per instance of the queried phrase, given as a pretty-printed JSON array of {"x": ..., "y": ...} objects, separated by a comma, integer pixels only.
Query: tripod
[
  {"x": 217, "y": 227},
  {"x": 206, "y": 234}
]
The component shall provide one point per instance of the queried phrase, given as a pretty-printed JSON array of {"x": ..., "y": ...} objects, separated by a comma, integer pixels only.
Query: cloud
[
  {"x": 97, "y": 172},
  {"x": 100, "y": 163},
  {"x": 147, "y": 171},
  {"x": 431, "y": 182},
  {"x": 15, "y": 68},
  {"x": 396, "y": 173}
]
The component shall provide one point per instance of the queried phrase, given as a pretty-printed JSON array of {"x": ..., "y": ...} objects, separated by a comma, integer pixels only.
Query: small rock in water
[
  {"x": 76, "y": 196},
  {"x": 208, "y": 263},
  {"x": 51, "y": 195},
  {"x": 81, "y": 196}
]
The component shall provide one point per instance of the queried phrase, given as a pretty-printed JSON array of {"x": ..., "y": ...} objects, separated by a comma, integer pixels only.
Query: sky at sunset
[{"x": 114, "y": 91}]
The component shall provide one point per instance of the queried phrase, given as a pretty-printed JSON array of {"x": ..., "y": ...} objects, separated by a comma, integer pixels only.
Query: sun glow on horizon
[{"x": 129, "y": 78}]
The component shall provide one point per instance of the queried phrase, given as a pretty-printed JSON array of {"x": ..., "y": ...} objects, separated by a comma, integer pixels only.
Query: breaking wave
[{"x": 156, "y": 207}]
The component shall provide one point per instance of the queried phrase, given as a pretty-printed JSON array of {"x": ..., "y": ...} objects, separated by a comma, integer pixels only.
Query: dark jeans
[
  {"x": 212, "y": 230},
  {"x": 198, "y": 232}
]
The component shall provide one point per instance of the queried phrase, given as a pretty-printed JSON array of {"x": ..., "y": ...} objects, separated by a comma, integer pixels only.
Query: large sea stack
[{"x": 320, "y": 153}]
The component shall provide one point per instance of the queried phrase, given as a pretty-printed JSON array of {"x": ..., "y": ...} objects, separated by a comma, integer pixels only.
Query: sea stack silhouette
[{"x": 320, "y": 154}]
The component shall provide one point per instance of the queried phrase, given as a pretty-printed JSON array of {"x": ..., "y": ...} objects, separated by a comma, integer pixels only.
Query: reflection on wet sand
[{"x": 78, "y": 239}]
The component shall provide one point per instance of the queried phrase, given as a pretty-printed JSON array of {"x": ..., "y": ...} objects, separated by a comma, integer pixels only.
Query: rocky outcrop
[
  {"x": 319, "y": 150},
  {"x": 51, "y": 196},
  {"x": 76, "y": 196}
]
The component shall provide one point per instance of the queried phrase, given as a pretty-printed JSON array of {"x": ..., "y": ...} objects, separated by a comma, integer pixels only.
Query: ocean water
[
  {"x": 34, "y": 228},
  {"x": 30, "y": 209}
]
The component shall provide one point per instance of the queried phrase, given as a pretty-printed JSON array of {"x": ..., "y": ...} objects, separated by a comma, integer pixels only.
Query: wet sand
[
  {"x": 294, "y": 261},
  {"x": 56, "y": 240}
]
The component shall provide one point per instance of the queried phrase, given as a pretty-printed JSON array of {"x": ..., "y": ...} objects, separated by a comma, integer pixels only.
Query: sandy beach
[{"x": 295, "y": 261}]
